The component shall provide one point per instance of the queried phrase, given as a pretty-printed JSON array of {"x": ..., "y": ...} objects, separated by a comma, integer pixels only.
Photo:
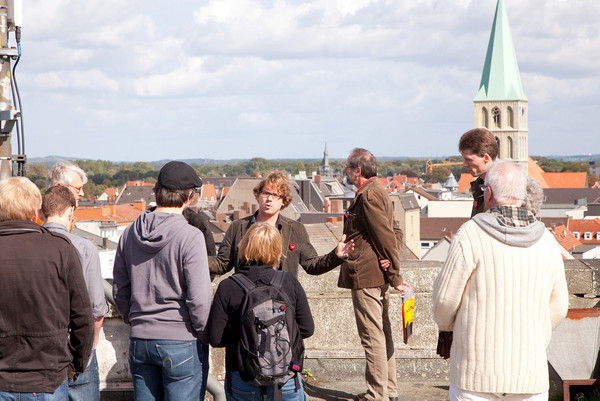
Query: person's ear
[{"x": 487, "y": 158}]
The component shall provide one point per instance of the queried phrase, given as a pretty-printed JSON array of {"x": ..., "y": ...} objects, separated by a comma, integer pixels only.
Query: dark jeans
[
  {"x": 168, "y": 369},
  {"x": 87, "y": 385}
]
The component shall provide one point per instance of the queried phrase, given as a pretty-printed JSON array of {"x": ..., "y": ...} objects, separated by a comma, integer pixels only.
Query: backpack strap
[
  {"x": 243, "y": 281},
  {"x": 277, "y": 279}
]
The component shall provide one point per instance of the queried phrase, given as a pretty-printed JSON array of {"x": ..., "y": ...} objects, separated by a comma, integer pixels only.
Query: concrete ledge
[
  {"x": 580, "y": 277},
  {"x": 334, "y": 352}
]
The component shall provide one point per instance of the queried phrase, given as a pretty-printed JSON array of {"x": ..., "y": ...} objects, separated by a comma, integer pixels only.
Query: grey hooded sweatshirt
[
  {"x": 514, "y": 236},
  {"x": 161, "y": 281}
]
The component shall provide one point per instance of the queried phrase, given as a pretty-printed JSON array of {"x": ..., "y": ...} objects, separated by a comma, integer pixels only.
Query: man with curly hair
[{"x": 273, "y": 194}]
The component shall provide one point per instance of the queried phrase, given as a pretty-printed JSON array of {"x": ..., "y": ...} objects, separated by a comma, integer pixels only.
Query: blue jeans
[
  {"x": 168, "y": 369},
  {"x": 244, "y": 391},
  {"x": 60, "y": 394},
  {"x": 87, "y": 385}
]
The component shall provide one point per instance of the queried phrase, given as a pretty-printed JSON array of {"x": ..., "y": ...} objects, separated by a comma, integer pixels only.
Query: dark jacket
[
  {"x": 42, "y": 295},
  {"x": 478, "y": 203},
  {"x": 201, "y": 222},
  {"x": 369, "y": 221},
  {"x": 224, "y": 320},
  {"x": 297, "y": 249}
]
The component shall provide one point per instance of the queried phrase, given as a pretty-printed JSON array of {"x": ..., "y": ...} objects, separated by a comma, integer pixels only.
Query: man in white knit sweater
[{"x": 501, "y": 291}]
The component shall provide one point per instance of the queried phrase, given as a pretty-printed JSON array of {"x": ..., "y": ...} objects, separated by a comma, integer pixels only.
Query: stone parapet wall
[{"x": 334, "y": 351}]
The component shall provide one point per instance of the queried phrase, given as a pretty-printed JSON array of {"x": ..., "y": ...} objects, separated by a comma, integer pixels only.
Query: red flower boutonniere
[{"x": 292, "y": 247}]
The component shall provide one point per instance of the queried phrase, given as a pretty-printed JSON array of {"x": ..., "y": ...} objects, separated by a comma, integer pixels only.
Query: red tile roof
[
  {"x": 566, "y": 180},
  {"x": 536, "y": 172},
  {"x": 565, "y": 238},
  {"x": 111, "y": 192},
  {"x": 123, "y": 215},
  {"x": 464, "y": 183},
  {"x": 583, "y": 226},
  {"x": 208, "y": 192}
]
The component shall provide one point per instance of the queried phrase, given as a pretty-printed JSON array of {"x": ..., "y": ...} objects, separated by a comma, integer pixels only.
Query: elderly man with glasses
[
  {"x": 272, "y": 195},
  {"x": 67, "y": 174},
  {"x": 71, "y": 176}
]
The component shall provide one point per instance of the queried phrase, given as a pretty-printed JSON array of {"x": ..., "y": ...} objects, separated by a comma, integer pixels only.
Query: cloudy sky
[{"x": 146, "y": 80}]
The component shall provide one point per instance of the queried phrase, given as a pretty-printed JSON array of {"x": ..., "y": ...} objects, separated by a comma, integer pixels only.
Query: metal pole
[{"x": 5, "y": 94}]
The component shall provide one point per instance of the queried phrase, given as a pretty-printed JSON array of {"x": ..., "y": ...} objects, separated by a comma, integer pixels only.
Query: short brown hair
[
  {"x": 56, "y": 200},
  {"x": 170, "y": 197},
  {"x": 364, "y": 159},
  {"x": 479, "y": 141},
  {"x": 277, "y": 180},
  {"x": 20, "y": 199},
  {"x": 261, "y": 245}
]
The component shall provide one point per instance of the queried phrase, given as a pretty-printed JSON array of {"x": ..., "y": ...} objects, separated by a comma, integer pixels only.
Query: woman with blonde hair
[{"x": 260, "y": 253}]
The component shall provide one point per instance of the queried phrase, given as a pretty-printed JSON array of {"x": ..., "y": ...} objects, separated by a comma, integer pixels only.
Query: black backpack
[{"x": 269, "y": 349}]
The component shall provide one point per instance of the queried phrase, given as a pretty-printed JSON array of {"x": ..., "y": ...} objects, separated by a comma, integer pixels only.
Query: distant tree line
[{"x": 103, "y": 174}]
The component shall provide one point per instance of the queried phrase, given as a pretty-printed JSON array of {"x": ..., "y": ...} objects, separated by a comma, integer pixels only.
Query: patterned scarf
[{"x": 513, "y": 216}]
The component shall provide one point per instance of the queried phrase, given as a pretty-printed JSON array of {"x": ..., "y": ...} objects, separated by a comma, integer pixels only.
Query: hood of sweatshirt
[
  {"x": 514, "y": 236},
  {"x": 153, "y": 231}
]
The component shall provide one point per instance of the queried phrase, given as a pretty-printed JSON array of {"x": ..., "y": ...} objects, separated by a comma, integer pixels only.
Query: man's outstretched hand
[{"x": 344, "y": 249}]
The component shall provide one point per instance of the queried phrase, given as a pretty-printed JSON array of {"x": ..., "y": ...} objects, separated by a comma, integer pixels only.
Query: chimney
[
  {"x": 332, "y": 221},
  {"x": 140, "y": 205},
  {"x": 246, "y": 207},
  {"x": 318, "y": 180},
  {"x": 104, "y": 242},
  {"x": 236, "y": 215}
]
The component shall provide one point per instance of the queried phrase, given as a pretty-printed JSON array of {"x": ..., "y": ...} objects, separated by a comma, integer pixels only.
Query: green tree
[
  {"x": 297, "y": 167},
  {"x": 438, "y": 174}
]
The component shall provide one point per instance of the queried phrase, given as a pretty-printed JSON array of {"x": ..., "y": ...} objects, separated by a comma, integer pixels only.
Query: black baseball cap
[{"x": 178, "y": 176}]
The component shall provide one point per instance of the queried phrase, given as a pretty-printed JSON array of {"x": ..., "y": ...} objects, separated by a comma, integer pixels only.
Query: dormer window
[
  {"x": 598, "y": 236},
  {"x": 587, "y": 235},
  {"x": 576, "y": 234}
]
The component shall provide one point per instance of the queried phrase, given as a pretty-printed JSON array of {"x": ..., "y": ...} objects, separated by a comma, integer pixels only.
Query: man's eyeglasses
[
  {"x": 76, "y": 189},
  {"x": 267, "y": 194}
]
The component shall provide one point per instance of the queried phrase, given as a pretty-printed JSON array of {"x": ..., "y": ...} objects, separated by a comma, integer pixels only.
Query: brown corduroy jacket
[{"x": 369, "y": 221}]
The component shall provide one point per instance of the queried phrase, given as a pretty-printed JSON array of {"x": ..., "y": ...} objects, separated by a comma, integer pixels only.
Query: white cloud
[{"x": 199, "y": 77}]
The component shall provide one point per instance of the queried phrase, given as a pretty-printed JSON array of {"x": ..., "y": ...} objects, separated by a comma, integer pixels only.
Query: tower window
[
  {"x": 511, "y": 117},
  {"x": 484, "y": 117},
  {"x": 510, "y": 148},
  {"x": 496, "y": 117}
]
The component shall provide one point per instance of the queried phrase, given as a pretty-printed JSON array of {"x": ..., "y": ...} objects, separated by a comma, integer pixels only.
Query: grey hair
[
  {"x": 534, "y": 197},
  {"x": 59, "y": 174},
  {"x": 508, "y": 182},
  {"x": 364, "y": 159}
]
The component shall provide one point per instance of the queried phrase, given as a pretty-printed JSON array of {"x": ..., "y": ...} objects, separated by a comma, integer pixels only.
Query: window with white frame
[
  {"x": 576, "y": 234},
  {"x": 598, "y": 235},
  {"x": 587, "y": 235}
]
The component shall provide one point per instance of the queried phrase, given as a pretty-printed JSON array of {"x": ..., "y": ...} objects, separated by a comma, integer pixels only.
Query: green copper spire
[{"x": 500, "y": 79}]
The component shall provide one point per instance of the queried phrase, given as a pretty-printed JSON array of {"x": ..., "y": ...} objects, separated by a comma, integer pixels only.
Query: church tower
[
  {"x": 500, "y": 105},
  {"x": 325, "y": 169}
]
